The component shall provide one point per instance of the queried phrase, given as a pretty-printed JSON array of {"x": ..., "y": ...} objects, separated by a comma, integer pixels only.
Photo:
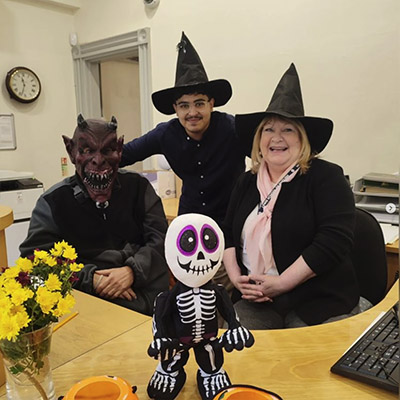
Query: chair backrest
[{"x": 369, "y": 257}]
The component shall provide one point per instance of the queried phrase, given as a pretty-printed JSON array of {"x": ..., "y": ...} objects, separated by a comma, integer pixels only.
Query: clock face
[{"x": 23, "y": 84}]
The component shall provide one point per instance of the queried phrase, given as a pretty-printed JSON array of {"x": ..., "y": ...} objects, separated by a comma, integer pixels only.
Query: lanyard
[{"x": 268, "y": 198}]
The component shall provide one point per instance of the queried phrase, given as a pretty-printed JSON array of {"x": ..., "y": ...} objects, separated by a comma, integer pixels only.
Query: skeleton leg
[
  {"x": 209, "y": 357},
  {"x": 210, "y": 384},
  {"x": 211, "y": 377},
  {"x": 168, "y": 378}
]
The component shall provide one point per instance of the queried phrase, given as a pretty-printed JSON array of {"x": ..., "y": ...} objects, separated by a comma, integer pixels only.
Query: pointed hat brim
[
  {"x": 286, "y": 102},
  {"x": 219, "y": 89}
]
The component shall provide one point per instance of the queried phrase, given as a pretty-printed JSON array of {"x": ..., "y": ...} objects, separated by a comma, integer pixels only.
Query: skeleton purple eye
[
  {"x": 209, "y": 239},
  {"x": 187, "y": 241}
]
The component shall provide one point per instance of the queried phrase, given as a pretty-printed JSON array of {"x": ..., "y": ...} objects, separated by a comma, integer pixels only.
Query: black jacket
[
  {"x": 313, "y": 217},
  {"x": 129, "y": 232},
  {"x": 208, "y": 168}
]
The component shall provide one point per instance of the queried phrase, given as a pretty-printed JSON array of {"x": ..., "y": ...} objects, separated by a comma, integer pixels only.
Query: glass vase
[{"x": 27, "y": 366}]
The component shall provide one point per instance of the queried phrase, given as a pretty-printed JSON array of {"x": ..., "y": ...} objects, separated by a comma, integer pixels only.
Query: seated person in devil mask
[{"x": 114, "y": 219}]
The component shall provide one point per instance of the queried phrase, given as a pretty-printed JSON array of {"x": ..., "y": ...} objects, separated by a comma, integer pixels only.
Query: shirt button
[
  {"x": 198, "y": 144},
  {"x": 187, "y": 138},
  {"x": 201, "y": 176},
  {"x": 199, "y": 162},
  {"x": 204, "y": 204},
  {"x": 201, "y": 192}
]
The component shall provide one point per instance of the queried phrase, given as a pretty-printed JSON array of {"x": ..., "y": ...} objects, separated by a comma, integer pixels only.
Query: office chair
[{"x": 369, "y": 257}]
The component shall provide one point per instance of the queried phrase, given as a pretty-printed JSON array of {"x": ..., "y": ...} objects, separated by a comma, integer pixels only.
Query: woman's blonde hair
[{"x": 306, "y": 154}]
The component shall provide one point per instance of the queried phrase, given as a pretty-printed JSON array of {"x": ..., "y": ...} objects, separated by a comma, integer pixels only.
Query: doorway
[
  {"x": 112, "y": 77},
  {"x": 120, "y": 97}
]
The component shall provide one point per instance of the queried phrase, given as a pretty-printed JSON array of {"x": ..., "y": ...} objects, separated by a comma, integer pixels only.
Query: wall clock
[
  {"x": 151, "y": 3},
  {"x": 23, "y": 84}
]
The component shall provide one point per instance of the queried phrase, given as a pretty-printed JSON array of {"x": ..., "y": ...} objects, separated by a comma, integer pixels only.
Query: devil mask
[
  {"x": 95, "y": 150},
  {"x": 194, "y": 247}
]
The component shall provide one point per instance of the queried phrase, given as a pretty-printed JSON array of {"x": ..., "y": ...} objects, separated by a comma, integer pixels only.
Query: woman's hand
[
  {"x": 272, "y": 286},
  {"x": 251, "y": 290},
  {"x": 247, "y": 288},
  {"x": 269, "y": 285}
]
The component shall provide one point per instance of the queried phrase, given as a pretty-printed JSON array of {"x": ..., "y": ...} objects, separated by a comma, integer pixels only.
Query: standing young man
[{"x": 200, "y": 145}]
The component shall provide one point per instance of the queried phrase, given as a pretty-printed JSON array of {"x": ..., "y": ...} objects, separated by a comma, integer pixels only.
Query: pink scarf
[{"x": 258, "y": 230}]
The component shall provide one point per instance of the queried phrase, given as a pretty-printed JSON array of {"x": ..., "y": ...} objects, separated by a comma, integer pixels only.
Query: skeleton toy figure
[{"x": 186, "y": 316}]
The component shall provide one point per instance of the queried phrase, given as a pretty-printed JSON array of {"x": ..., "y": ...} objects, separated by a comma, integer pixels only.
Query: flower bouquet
[{"x": 33, "y": 294}]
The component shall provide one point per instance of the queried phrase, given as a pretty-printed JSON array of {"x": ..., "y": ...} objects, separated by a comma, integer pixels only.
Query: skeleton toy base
[{"x": 186, "y": 316}]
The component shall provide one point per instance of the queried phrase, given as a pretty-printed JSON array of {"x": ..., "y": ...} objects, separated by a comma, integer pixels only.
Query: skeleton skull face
[{"x": 194, "y": 247}]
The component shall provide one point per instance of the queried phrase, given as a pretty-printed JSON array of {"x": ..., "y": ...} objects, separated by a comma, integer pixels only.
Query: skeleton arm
[
  {"x": 237, "y": 336},
  {"x": 163, "y": 347}
]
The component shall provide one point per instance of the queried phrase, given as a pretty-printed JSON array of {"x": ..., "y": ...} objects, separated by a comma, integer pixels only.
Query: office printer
[
  {"x": 378, "y": 194},
  {"x": 20, "y": 191}
]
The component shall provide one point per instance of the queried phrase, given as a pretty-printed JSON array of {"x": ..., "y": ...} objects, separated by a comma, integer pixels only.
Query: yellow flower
[
  {"x": 11, "y": 285},
  {"x": 19, "y": 296},
  {"x": 70, "y": 253},
  {"x": 40, "y": 255},
  {"x": 64, "y": 306},
  {"x": 29, "y": 293},
  {"x": 58, "y": 249},
  {"x": 51, "y": 261},
  {"x": 21, "y": 316},
  {"x": 76, "y": 267},
  {"x": 17, "y": 309},
  {"x": 9, "y": 328},
  {"x": 11, "y": 272},
  {"x": 53, "y": 283},
  {"x": 5, "y": 304},
  {"x": 22, "y": 319},
  {"x": 46, "y": 299},
  {"x": 24, "y": 264},
  {"x": 30, "y": 297}
]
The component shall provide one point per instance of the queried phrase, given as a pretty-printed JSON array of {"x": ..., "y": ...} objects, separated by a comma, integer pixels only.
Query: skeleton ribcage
[{"x": 194, "y": 307}]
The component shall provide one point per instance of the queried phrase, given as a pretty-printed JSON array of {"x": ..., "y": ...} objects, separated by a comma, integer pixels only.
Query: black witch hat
[
  {"x": 286, "y": 102},
  {"x": 190, "y": 74}
]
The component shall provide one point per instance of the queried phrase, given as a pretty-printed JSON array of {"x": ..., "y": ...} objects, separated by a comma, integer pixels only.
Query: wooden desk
[
  {"x": 295, "y": 363},
  {"x": 98, "y": 322},
  {"x": 6, "y": 219}
]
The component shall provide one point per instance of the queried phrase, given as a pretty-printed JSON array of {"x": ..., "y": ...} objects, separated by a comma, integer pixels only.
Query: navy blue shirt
[{"x": 208, "y": 168}]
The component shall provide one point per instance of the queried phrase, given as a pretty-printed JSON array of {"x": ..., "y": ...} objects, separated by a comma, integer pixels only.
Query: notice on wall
[{"x": 7, "y": 132}]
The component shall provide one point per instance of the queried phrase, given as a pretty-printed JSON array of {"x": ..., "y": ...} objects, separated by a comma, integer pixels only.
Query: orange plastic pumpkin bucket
[
  {"x": 102, "y": 388},
  {"x": 246, "y": 392}
]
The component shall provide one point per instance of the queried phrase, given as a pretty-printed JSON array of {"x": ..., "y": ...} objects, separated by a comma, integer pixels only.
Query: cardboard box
[{"x": 163, "y": 182}]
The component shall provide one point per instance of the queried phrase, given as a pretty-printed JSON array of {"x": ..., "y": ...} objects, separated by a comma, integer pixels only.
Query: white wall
[
  {"x": 346, "y": 53},
  {"x": 35, "y": 35}
]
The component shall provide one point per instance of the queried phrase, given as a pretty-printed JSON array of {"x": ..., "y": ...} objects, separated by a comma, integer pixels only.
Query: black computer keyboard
[{"x": 374, "y": 358}]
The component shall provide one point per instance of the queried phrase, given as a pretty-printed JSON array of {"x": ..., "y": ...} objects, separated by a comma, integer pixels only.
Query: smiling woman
[
  {"x": 280, "y": 144},
  {"x": 289, "y": 224}
]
